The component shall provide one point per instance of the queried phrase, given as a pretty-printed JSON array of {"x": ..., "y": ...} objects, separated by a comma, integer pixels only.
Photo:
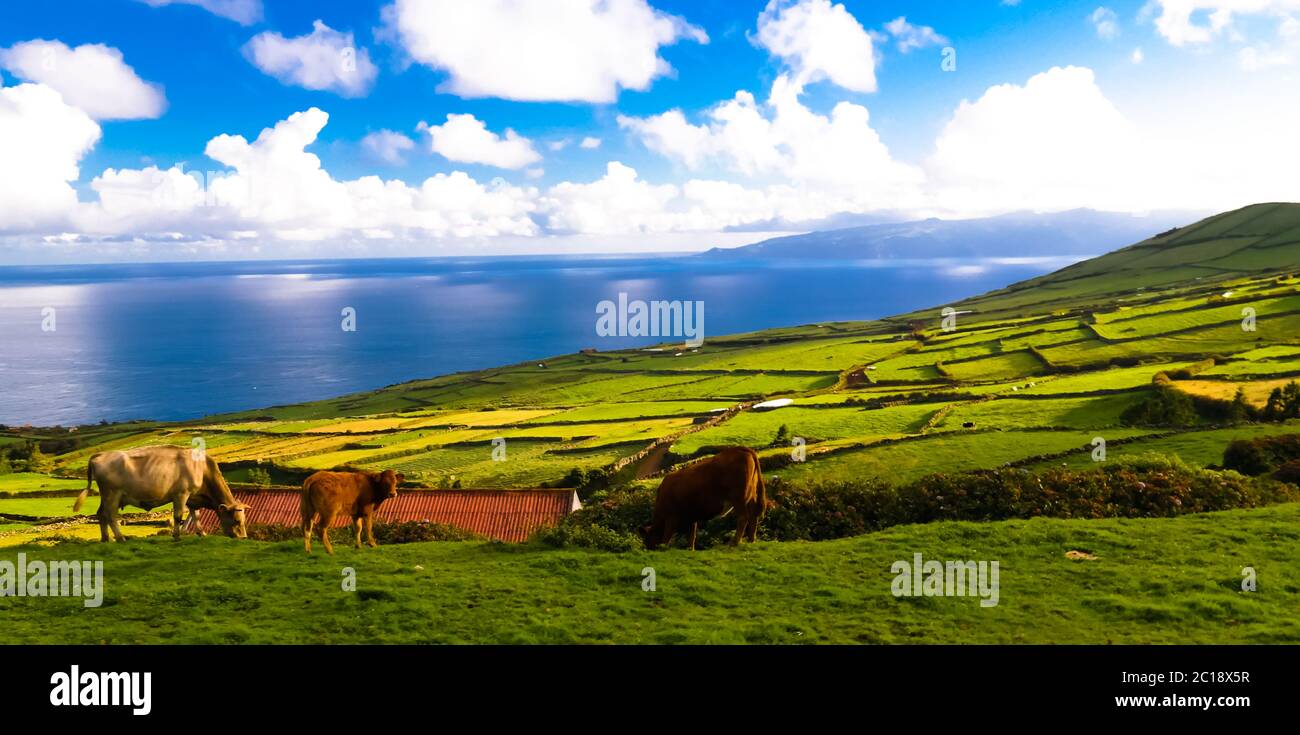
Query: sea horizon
[{"x": 259, "y": 333}]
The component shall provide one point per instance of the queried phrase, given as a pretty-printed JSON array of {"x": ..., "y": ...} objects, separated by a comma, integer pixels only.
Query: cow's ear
[{"x": 223, "y": 508}]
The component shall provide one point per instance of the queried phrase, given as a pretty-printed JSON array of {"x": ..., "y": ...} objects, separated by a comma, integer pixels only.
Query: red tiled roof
[{"x": 505, "y": 515}]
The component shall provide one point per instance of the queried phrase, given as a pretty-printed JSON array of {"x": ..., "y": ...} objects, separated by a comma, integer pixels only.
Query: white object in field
[{"x": 769, "y": 405}]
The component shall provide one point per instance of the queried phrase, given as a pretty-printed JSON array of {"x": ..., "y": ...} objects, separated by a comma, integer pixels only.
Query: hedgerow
[{"x": 1146, "y": 487}]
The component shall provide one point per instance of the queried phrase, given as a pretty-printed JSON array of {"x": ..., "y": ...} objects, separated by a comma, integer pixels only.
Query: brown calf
[
  {"x": 704, "y": 490},
  {"x": 326, "y": 495}
]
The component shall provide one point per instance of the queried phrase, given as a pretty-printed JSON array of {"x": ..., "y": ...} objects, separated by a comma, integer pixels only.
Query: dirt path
[{"x": 653, "y": 462}]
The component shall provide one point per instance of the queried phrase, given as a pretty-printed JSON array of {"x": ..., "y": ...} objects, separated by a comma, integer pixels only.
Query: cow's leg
[
  {"x": 192, "y": 524},
  {"x": 112, "y": 523},
  {"x": 356, "y": 527},
  {"x": 742, "y": 519},
  {"x": 694, "y": 528},
  {"x": 178, "y": 515},
  {"x": 325, "y": 521},
  {"x": 306, "y": 531},
  {"x": 102, "y": 516},
  {"x": 370, "y": 531}
]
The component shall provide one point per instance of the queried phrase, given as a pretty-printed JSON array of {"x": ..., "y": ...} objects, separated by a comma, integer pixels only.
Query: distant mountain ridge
[
  {"x": 1249, "y": 242},
  {"x": 1019, "y": 234}
]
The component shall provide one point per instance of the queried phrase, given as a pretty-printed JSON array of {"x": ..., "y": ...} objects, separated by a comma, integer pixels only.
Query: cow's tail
[
  {"x": 90, "y": 478},
  {"x": 755, "y": 483},
  {"x": 306, "y": 509}
]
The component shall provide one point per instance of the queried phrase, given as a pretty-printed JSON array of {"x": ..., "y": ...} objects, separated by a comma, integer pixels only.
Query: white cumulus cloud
[
  {"x": 538, "y": 50},
  {"x": 838, "y": 155},
  {"x": 1055, "y": 142},
  {"x": 93, "y": 77},
  {"x": 42, "y": 141},
  {"x": 466, "y": 139},
  {"x": 324, "y": 59},
  {"x": 275, "y": 187},
  {"x": 818, "y": 40}
]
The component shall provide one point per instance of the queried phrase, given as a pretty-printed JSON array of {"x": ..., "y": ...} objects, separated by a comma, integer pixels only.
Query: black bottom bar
[{"x": 540, "y": 684}]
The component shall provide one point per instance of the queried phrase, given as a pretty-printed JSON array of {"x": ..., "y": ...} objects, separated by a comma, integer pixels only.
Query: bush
[
  {"x": 824, "y": 511},
  {"x": 1163, "y": 406},
  {"x": 1288, "y": 472},
  {"x": 1151, "y": 486},
  {"x": 586, "y": 482},
  {"x": 1261, "y": 454},
  {"x": 589, "y": 536}
]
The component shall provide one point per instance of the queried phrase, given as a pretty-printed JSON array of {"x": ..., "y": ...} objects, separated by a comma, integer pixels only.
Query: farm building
[{"x": 504, "y": 515}]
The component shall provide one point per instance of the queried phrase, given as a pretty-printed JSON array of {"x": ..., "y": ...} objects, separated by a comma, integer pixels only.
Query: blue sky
[{"x": 1163, "y": 89}]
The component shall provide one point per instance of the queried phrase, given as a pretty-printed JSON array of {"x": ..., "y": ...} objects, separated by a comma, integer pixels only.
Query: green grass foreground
[{"x": 1153, "y": 581}]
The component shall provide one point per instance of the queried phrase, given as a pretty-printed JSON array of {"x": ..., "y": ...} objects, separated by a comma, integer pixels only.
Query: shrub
[
  {"x": 590, "y": 536},
  {"x": 824, "y": 511},
  {"x": 1150, "y": 486},
  {"x": 1261, "y": 454},
  {"x": 1288, "y": 472},
  {"x": 1163, "y": 406},
  {"x": 586, "y": 482}
]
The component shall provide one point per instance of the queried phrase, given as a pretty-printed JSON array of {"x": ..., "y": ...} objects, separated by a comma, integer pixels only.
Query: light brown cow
[
  {"x": 698, "y": 492},
  {"x": 326, "y": 495},
  {"x": 148, "y": 477}
]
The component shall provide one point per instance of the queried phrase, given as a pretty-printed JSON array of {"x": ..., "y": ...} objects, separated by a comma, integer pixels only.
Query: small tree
[
  {"x": 38, "y": 461},
  {"x": 782, "y": 436},
  {"x": 1241, "y": 410}
]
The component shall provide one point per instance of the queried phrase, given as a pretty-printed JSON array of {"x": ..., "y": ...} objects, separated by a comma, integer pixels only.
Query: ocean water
[{"x": 180, "y": 341}]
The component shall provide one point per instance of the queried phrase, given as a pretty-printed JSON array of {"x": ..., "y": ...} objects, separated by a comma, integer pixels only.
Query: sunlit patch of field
[
  {"x": 759, "y": 429},
  {"x": 1255, "y": 391},
  {"x": 500, "y": 417},
  {"x": 1199, "y": 448},
  {"x": 1111, "y": 379},
  {"x": 957, "y": 451},
  {"x": 1024, "y": 413},
  {"x": 27, "y": 482},
  {"x": 995, "y": 367},
  {"x": 58, "y": 507}
]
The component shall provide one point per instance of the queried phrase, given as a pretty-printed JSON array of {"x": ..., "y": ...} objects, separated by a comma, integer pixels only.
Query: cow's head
[
  {"x": 385, "y": 484},
  {"x": 652, "y": 536},
  {"x": 231, "y": 516}
]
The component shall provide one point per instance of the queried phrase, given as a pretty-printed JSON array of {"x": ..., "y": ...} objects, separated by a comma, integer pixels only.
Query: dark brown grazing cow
[
  {"x": 704, "y": 490},
  {"x": 325, "y": 495}
]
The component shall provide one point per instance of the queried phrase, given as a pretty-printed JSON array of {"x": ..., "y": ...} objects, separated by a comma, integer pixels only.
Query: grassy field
[
  {"x": 1152, "y": 581},
  {"x": 27, "y": 482}
]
